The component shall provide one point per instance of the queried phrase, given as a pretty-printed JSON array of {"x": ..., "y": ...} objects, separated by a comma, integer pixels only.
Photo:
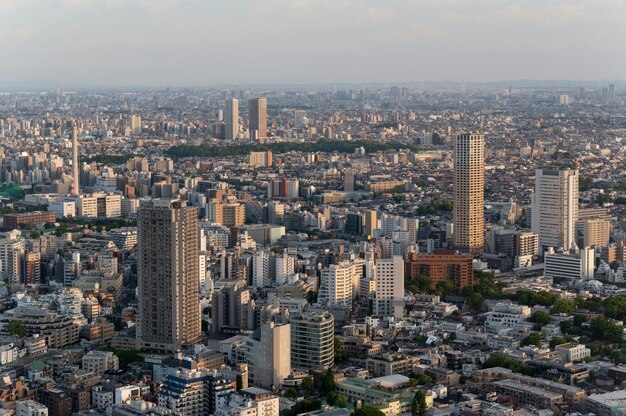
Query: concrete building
[
  {"x": 555, "y": 207},
  {"x": 268, "y": 353},
  {"x": 571, "y": 352},
  {"x": 257, "y": 113},
  {"x": 312, "y": 341},
  {"x": 338, "y": 284},
  {"x": 261, "y": 159},
  {"x": 566, "y": 266},
  {"x": 370, "y": 223},
  {"x": 100, "y": 361},
  {"x": 169, "y": 308},
  {"x": 389, "y": 299},
  {"x": 469, "y": 192},
  {"x": 348, "y": 180},
  {"x": 441, "y": 266},
  {"x": 231, "y": 118},
  {"x": 30, "y": 408},
  {"x": 593, "y": 233}
]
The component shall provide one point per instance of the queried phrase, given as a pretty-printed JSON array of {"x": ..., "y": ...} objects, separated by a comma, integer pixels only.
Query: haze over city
[{"x": 205, "y": 43}]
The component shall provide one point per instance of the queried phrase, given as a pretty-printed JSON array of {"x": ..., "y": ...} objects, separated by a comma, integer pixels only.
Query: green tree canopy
[
  {"x": 16, "y": 328},
  {"x": 562, "y": 305}
]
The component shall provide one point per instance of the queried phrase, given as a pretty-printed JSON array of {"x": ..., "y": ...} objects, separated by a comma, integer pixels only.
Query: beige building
[
  {"x": 257, "y": 111},
  {"x": 526, "y": 244},
  {"x": 389, "y": 300},
  {"x": 229, "y": 215},
  {"x": 469, "y": 192},
  {"x": 594, "y": 233},
  {"x": 261, "y": 159},
  {"x": 169, "y": 309},
  {"x": 268, "y": 353}
]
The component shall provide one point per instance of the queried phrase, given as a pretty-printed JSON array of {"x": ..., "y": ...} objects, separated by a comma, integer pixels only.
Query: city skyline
[{"x": 141, "y": 43}]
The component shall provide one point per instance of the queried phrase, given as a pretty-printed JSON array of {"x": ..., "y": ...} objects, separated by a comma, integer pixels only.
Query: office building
[
  {"x": 257, "y": 112},
  {"x": 593, "y": 233},
  {"x": 565, "y": 266},
  {"x": 312, "y": 341},
  {"x": 441, "y": 266},
  {"x": 469, "y": 192},
  {"x": 526, "y": 244},
  {"x": 555, "y": 207},
  {"x": 261, "y": 159},
  {"x": 268, "y": 353},
  {"x": 135, "y": 125},
  {"x": 389, "y": 299},
  {"x": 169, "y": 309},
  {"x": 231, "y": 117},
  {"x": 348, "y": 180},
  {"x": 370, "y": 223}
]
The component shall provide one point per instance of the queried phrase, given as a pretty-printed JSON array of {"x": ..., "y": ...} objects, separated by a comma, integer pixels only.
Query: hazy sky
[{"x": 208, "y": 42}]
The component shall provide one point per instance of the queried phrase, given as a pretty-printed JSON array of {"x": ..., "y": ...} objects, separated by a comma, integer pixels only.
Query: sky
[{"x": 240, "y": 42}]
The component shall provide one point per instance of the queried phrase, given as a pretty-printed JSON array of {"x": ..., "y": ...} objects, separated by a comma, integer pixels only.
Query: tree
[
  {"x": 341, "y": 356},
  {"x": 308, "y": 386},
  {"x": 418, "y": 405},
  {"x": 606, "y": 329},
  {"x": 16, "y": 328},
  {"x": 475, "y": 301},
  {"x": 615, "y": 307},
  {"x": 327, "y": 382},
  {"x": 563, "y": 305},
  {"x": 534, "y": 338},
  {"x": 540, "y": 318},
  {"x": 422, "y": 282},
  {"x": 445, "y": 287},
  {"x": 311, "y": 296},
  {"x": 341, "y": 401},
  {"x": 366, "y": 410}
]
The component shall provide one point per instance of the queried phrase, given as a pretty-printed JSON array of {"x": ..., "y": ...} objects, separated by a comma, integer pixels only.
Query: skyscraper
[
  {"x": 348, "y": 180},
  {"x": 232, "y": 119},
  {"x": 257, "y": 111},
  {"x": 135, "y": 125},
  {"x": 469, "y": 192},
  {"x": 555, "y": 207},
  {"x": 75, "y": 167},
  {"x": 370, "y": 223},
  {"x": 169, "y": 309}
]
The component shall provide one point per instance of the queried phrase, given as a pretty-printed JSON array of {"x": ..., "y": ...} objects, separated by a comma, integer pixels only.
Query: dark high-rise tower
[
  {"x": 257, "y": 109},
  {"x": 169, "y": 308}
]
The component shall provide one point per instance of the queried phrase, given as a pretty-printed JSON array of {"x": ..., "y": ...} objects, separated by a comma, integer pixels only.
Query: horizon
[{"x": 141, "y": 43}]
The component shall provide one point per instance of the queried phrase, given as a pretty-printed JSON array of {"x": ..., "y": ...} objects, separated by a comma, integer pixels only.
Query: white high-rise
[
  {"x": 555, "y": 207},
  {"x": 75, "y": 167},
  {"x": 232, "y": 119},
  {"x": 337, "y": 284},
  {"x": 389, "y": 300}
]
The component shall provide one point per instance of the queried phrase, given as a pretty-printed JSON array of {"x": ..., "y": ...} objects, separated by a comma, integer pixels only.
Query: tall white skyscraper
[
  {"x": 469, "y": 192},
  {"x": 555, "y": 207},
  {"x": 389, "y": 300},
  {"x": 232, "y": 119},
  {"x": 75, "y": 167}
]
